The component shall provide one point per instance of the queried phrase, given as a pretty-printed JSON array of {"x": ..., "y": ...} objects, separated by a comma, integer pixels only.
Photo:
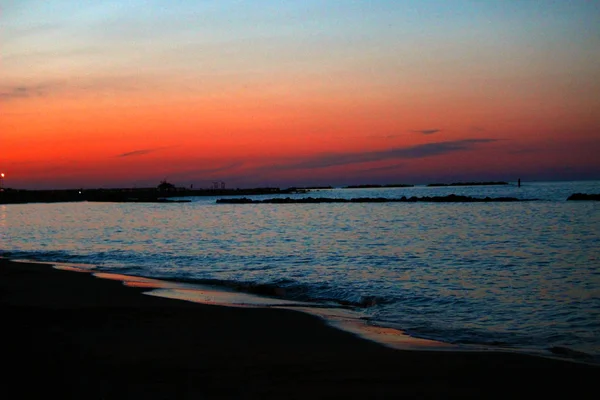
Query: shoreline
[
  {"x": 340, "y": 317},
  {"x": 78, "y": 336},
  {"x": 337, "y": 316}
]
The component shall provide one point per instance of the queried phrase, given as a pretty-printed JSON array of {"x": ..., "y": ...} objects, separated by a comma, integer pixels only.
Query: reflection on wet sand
[{"x": 341, "y": 318}]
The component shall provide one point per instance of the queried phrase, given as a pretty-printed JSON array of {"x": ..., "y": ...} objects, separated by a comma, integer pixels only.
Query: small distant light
[
  {"x": 2, "y": 175},
  {"x": 80, "y": 192}
]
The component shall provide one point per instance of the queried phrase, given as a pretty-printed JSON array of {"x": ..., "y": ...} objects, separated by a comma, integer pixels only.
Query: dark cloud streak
[
  {"x": 413, "y": 152},
  {"x": 141, "y": 152},
  {"x": 427, "y": 131}
]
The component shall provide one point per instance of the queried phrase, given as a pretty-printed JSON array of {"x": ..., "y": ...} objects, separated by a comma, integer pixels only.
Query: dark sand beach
[{"x": 72, "y": 335}]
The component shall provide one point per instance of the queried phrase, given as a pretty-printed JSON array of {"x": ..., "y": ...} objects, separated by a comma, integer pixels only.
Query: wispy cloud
[
  {"x": 8, "y": 93},
  {"x": 75, "y": 86},
  {"x": 427, "y": 131},
  {"x": 141, "y": 152},
  {"x": 412, "y": 152}
]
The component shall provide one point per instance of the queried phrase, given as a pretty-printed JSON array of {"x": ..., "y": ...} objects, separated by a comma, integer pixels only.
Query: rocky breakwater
[
  {"x": 584, "y": 196},
  {"x": 452, "y": 198}
]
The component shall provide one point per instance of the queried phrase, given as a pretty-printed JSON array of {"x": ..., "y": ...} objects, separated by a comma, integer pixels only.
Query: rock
[
  {"x": 584, "y": 196},
  {"x": 451, "y": 198}
]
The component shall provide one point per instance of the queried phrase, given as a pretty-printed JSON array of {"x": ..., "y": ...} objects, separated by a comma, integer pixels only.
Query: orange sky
[{"x": 291, "y": 95}]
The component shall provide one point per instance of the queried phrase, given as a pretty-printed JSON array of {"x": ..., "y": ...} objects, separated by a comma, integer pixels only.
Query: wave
[
  {"x": 48, "y": 256},
  {"x": 428, "y": 317},
  {"x": 287, "y": 289}
]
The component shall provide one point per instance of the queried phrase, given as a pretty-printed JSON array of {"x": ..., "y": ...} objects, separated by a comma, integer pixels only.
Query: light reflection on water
[
  {"x": 521, "y": 274},
  {"x": 3, "y": 216}
]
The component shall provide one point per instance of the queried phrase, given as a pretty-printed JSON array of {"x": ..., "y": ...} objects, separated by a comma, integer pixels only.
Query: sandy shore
[{"x": 71, "y": 335}]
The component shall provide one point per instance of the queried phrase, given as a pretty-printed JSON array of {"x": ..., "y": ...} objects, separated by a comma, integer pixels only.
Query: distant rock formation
[
  {"x": 452, "y": 198},
  {"x": 310, "y": 187},
  {"x": 140, "y": 195},
  {"x": 468, "y": 184},
  {"x": 374, "y": 186},
  {"x": 584, "y": 196}
]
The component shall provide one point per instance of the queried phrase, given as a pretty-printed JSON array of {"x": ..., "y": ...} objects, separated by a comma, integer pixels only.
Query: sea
[{"x": 509, "y": 276}]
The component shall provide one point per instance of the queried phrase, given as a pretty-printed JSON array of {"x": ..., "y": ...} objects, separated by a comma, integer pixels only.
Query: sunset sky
[{"x": 297, "y": 93}]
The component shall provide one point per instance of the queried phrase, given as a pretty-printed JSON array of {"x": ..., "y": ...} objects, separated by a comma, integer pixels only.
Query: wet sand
[{"x": 72, "y": 335}]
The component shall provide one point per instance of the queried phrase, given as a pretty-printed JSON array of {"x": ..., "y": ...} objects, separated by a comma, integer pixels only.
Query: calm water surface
[{"x": 516, "y": 275}]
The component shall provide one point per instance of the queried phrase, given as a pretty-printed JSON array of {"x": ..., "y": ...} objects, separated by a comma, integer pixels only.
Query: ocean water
[{"x": 523, "y": 276}]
